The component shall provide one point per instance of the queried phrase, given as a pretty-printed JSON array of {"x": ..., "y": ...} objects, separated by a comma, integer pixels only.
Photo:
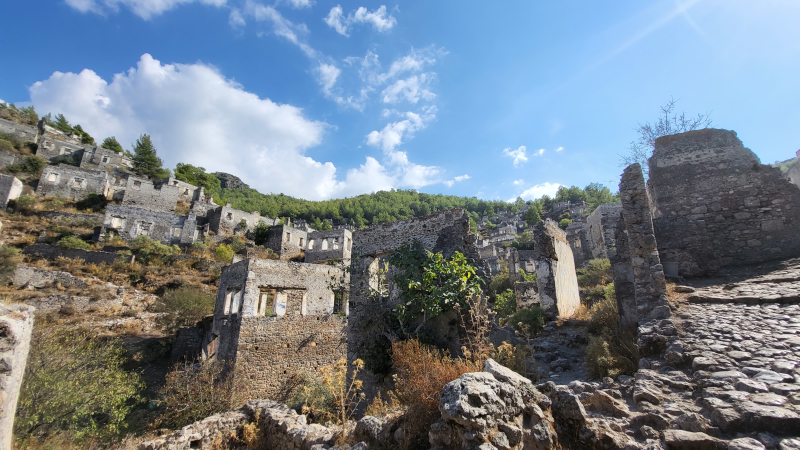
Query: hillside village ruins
[{"x": 709, "y": 205}]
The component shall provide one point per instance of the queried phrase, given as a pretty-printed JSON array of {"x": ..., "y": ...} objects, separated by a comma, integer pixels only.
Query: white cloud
[
  {"x": 196, "y": 116},
  {"x": 519, "y": 182},
  {"x": 327, "y": 73},
  {"x": 300, "y": 3},
  {"x": 559, "y": 149},
  {"x": 235, "y": 19},
  {"x": 519, "y": 155},
  {"x": 539, "y": 190},
  {"x": 449, "y": 183},
  {"x": 392, "y": 134},
  {"x": 413, "y": 89},
  {"x": 145, "y": 9},
  {"x": 281, "y": 26},
  {"x": 539, "y": 152},
  {"x": 341, "y": 23}
]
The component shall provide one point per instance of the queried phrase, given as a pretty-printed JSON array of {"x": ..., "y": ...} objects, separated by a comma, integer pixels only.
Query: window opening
[
  {"x": 76, "y": 183},
  {"x": 324, "y": 244},
  {"x": 301, "y": 242},
  {"x": 311, "y": 244},
  {"x": 230, "y": 216},
  {"x": 266, "y": 302},
  {"x": 52, "y": 177}
]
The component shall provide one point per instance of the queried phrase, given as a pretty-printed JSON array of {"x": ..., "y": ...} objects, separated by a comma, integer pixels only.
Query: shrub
[
  {"x": 505, "y": 303},
  {"x": 596, "y": 272},
  {"x": 92, "y": 201},
  {"x": 73, "y": 242},
  {"x": 152, "y": 252},
  {"x": 237, "y": 244},
  {"x": 32, "y": 165},
  {"x": 332, "y": 395},
  {"x": 529, "y": 322},
  {"x": 377, "y": 355},
  {"x": 513, "y": 357},
  {"x": 64, "y": 159},
  {"x": 564, "y": 223},
  {"x": 6, "y": 146},
  {"x": 499, "y": 283},
  {"x": 75, "y": 382},
  {"x": 185, "y": 307},
  {"x": 422, "y": 373},
  {"x": 9, "y": 258},
  {"x": 260, "y": 233},
  {"x": 612, "y": 350},
  {"x": 194, "y": 392},
  {"x": 25, "y": 203},
  {"x": 223, "y": 253}
]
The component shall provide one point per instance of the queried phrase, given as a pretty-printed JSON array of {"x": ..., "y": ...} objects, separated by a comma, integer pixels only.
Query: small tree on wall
[
  {"x": 145, "y": 160},
  {"x": 670, "y": 122}
]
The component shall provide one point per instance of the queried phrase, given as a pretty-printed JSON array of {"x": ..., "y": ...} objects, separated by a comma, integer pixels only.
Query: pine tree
[
  {"x": 111, "y": 143},
  {"x": 145, "y": 160}
]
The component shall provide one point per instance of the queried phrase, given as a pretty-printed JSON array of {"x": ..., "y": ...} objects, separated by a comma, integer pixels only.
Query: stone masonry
[
  {"x": 129, "y": 222},
  {"x": 274, "y": 319},
  {"x": 555, "y": 271},
  {"x": 10, "y": 189},
  {"x": 716, "y": 205},
  {"x": 329, "y": 245},
  {"x": 16, "y": 326},
  {"x": 22, "y": 132},
  {"x": 286, "y": 241},
  {"x": 72, "y": 182}
]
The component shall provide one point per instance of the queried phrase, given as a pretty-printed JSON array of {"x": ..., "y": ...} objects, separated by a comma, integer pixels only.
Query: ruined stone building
[
  {"x": 555, "y": 271},
  {"x": 329, "y": 245},
  {"x": 715, "y": 205},
  {"x": 227, "y": 221},
  {"x": 129, "y": 222},
  {"x": 22, "y": 132},
  {"x": 274, "y": 319},
  {"x": 593, "y": 237},
  {"x": 72, "y": 182},
  {"x": 10, "y": 189}
]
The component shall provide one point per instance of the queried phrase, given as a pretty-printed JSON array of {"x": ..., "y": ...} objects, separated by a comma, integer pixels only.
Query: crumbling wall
[
  {"x": 10, "y": 189},
  {"x": 129, "y": 222},
  {"x": 52, "y": 252},
  {"x": 71, "y": 182},
  {"x": 527, "y": 294},
  {"x": 555, "y": 271},
  {"x": 143, "y": 193},
  {"x": 602, "y": 226},
  {"x": 225, "y": 220},
  {"x": 648, "y": 273},
  {"x": 286, "y": 241},
  {"x": 622, "y": 271},
  {"x": 8, "y": 158},
  {"x": 716, "y": 205},
  {"x": 579, "y": 243},
  {"x": 99, "y": 158},
  {"x": 54, "y": 143},
  {"x": 22, "y": 132},
  {"x": 299, "y": 334},
  {"x": 793, "y": 174},
  {"x": 329, "y": 245},
  {"x": 16, "y": 326}
]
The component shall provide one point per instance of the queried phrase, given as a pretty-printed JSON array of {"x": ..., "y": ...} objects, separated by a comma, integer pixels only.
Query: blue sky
[{"x": 322, "y": 99}]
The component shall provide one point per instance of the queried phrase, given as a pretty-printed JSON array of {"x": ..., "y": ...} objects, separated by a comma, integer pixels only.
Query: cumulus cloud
[
  {"x": 145, "y": 9},
  {"x": 539, "y": 191},
  {"x": 197, "y": 116},
  {"x": 519, "y": 155},
  {"x": 392, "y": 134},
  {"x": 379, "y": 19},
  {"x": 559, "y": 149},
  {"x": 519, "y": 182},
  {"x": 235, "y": 19},
  {"x": 299, "y": 4},
  {"x": 412, "y": 89}
]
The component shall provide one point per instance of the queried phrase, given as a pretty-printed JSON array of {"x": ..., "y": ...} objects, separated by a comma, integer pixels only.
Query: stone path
[{"x": 559, "y": 352}]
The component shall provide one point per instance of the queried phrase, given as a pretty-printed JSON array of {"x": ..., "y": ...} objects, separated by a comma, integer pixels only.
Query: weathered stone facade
[
  {"x": 54, "y": 143},
  {"x": 329, "y": 245},
  {"x": 555, "y": 271},
  {"x": 16, "y": 326},
  {"x": 22, "y": 132},
  {"x": 143, "y": 193},
  {"x": 274, "y": 319},
  {"x": 225, "y": 220},
  {"x": 129, "y": 222},
  {"x": 10, "y": 189},
  {"x": 601, "y": 227},
  {"x": 286, "y": 241},
  {"x": 72, "y": 182},
  {"x": 716, "y": 205},
  {"x": 99, "y": 158}
]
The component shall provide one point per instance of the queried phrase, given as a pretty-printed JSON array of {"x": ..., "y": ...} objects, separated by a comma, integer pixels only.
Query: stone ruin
[
  {"x": 10, "y": 189},
  {"x": 715, "y": 205},
  {"x": 555, "y": 271},
  {"x": 16, "y": 326}
]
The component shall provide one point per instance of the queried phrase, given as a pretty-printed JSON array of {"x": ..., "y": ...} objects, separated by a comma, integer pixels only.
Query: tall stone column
[{"x": 16, "y": 326}]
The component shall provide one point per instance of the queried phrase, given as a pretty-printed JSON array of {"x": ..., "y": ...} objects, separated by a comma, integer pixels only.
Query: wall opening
[
  {"x": 77, "y": 182},
  {"x": 324, "y": 244},
  {"x": 52, "y": 177},
  {"x": 116, "y": 222},
  {"x": 137, "y": 184},
  {"x": 176, "y": 232},
  {"x": 229, "y": 216},
  {"x": 105, "y": 159},
  {"x": 301, "y": 242},
  {"x": 288, "y": 237},
  {"x": 311, "y": 244},
  {"x": 232, "y": 301},
  {"x": 266, "y": 302}
]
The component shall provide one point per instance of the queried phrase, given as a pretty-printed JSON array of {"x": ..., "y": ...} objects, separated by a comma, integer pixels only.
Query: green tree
[
  {"x": 223, "y": 253},
  {"x": 111, "y": 143},
  {"x": 198, "y": 177},
  {"x": 431, "y": 284},
  {"x": 75, "y": 382},
  {"x": 85, "y": 137},
  {"x": 531, "y": 215},
  {"x": 62, "y": 124},
  {"x": 599, "y": 195},
  {"x": 145, "y": 160},
  {"x": 260, "y": 233},
  {"x": 505, "y": 303}
]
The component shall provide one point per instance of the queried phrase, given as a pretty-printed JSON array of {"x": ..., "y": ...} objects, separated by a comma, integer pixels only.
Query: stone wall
[
  {"x": 8, "y": 158},
  {"x": 39, "y": 278},
  {"x": 298, "y": 334},
  {"x": 143, "y": 193},
  {"x": 716, "y": 205},
  {"x": 286, "y": 241},
  {"x": 99, "y": 158},
  {"x": 329, "y": 245},
  {"x": 648, "y": 274},
  {"x": 53, "y": 143},
  {"x": 225, "y": 220},
  {"x": 22, "y": 132},
  {"x": 16, "y": 326},
  {"x": 555, "y": 271},
  {"x": 129, "y": 222},
  {"x": 622, "y": 271},
  {"x": 71, "y": 182},
  {"x": 10, "y": 189},
  {"x": 52, "y": 252},
  {"x": 579, "y": 243},
  {"x": 602, "y": 226},
  {"x": 794, "y": 171},
  {"x": 187, "y": 192},
  {"x": 527, "y": 294}
]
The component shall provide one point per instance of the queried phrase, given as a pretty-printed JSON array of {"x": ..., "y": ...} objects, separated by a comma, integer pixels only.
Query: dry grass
[{"x": 422, "y": 373}]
